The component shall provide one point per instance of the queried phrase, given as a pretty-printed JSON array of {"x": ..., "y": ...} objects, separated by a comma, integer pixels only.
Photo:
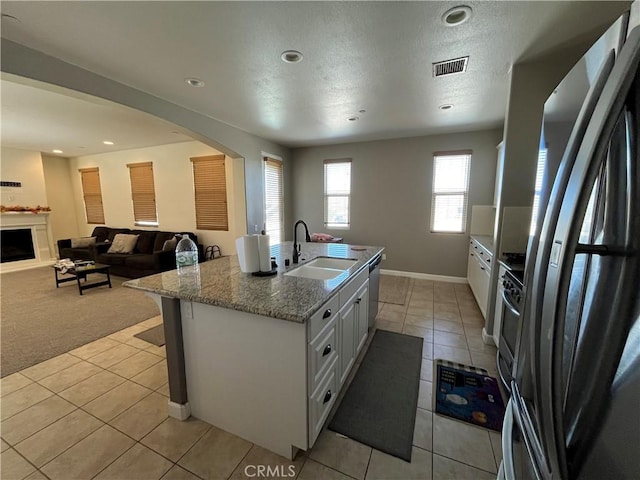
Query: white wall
[
  {"x": 22, "y": 166},
  {"x": 60, "y": 197},
  {"x": 173, "y": 178}
]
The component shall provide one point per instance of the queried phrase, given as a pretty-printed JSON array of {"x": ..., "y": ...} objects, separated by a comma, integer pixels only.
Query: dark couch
[{"x": 147, "y": 257}]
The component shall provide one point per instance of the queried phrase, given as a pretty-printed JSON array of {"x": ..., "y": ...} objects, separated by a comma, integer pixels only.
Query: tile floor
[{"x": 100, "y": 412}]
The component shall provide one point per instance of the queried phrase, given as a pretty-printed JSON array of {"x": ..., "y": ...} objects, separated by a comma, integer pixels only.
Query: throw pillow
[
  {"x": 83, "y": 242},
  {"x": 170, "y": 245},
  {"x": 123, "y": 243}
]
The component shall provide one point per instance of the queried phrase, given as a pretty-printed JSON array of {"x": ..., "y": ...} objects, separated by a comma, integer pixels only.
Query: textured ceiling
[{"x": 374, "y": 56}]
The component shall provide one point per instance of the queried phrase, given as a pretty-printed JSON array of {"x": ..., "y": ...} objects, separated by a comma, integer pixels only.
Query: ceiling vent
[{"x": 449, "y": 67}]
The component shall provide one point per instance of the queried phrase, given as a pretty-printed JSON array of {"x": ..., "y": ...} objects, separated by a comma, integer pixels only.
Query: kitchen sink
[{"x": 322, "y": 268}]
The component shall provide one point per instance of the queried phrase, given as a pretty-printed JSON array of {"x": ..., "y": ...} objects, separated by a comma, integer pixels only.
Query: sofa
[{"x": 146, "y": 258}]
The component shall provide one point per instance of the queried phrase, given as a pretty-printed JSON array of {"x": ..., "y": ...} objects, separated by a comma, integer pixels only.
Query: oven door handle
[{"x": 509, "y": 305}]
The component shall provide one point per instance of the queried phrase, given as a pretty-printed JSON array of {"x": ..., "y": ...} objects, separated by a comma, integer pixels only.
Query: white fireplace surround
[{"x": 40, "y": 233}]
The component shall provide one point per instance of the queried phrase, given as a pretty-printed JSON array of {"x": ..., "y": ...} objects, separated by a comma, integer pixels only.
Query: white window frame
[
  {"x": 335, "y": 193},
  {"x": 439, "y": 190},
  {"x": 275, "y": 232}
]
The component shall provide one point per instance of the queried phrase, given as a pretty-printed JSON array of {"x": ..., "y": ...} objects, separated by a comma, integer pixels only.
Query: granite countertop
[
  {"x": 220, "y": 282},
  {"x": 486, "y": 241}
]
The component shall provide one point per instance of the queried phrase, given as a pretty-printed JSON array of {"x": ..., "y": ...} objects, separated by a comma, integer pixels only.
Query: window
[
  {"x": 143, "y": 193},
  {"x": 542, "y": 162},
  {"x": 274, "y": 200},
  {"x": 337, "y": 193},
  {"x": 92, "y": 194},
  {"x": 450, "y": 191},
  {"x": 210, "y": 186}
]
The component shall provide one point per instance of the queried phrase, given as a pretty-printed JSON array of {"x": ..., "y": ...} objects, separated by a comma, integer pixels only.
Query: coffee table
[{"x": 81, "y": 273}]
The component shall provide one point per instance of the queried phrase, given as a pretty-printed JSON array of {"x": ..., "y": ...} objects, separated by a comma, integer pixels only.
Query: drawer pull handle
[
  {"x": 472, "y": 254},
  {"x": 358, "y": 301},
  {"x": 327, "y": 350},
  {"x": 481, "y": 268},
  {"x": 327, "y": 313},
  {"x": 327, "y": 396}
]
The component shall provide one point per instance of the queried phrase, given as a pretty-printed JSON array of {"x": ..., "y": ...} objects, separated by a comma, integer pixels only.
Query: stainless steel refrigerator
[{"x": 575, "y": 405}]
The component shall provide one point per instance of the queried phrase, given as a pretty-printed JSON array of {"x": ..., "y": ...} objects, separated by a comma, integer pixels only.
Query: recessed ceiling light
[
  {"x": 194, "y": 82},
  {"x": 291, "y": 56},
  {"x": 353, "y": 118},
  {"x": 446, "y": 106},
  {"x": 108, "y": 142},
  {"x": 362, "y": 111},
  {"x": 57, "y": 151},
  {"x": 456, "y": 16},
  {"x": 6, "y": 16}
]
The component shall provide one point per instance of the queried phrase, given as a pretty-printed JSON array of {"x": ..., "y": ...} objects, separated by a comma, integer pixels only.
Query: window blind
[
  {"x": 143, "y": 194},
  {"x": 210, "y": 187},
  {"x": 450, "y": 191},
  {"x": 337, "y": 193},
  {"x": 542, "y": 162},
  {"x": 92, "y": 193},
  {"x": 274, "y": 200}
]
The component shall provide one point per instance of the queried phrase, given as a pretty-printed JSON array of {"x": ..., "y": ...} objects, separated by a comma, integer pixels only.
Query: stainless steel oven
[{"x": 512, "y": 299}]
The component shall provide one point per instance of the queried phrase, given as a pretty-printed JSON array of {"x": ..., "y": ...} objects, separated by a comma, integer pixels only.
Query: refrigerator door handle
[{"x": 507, "y": 443}]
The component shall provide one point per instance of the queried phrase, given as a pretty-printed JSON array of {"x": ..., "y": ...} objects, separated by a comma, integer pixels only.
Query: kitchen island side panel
[{"x": 246, "y": 374}]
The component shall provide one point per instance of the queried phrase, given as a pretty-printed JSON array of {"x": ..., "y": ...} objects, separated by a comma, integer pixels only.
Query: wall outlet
[
  {"x": 384, "y": 256},
  {"x": 187, "y": 310},
  {"x": 255, "y": 227}
]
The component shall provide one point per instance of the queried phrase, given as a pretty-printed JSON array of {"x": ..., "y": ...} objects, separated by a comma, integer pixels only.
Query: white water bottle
[{"x": 186, "y": 255}]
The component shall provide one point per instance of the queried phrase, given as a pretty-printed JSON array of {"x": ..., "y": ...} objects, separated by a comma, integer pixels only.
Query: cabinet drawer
[
  {"x": 322, "y": 353},
  {"x": 320, "y": 319},
  {"x": 353, "y": 286},
  {"x": 321, "y": 402}
]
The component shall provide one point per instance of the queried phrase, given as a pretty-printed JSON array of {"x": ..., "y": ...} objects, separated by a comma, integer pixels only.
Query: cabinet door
[
  {"x": 484, "y": 277},
  {"x": 472, "y": 271},
  {"x": 362, "y": 301},
  {"x": 347, "y": 339}
]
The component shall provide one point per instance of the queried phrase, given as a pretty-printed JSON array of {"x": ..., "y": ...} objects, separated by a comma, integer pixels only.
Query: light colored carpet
[
  {"x": 40, "y": 321},
  {"x": 393, "y": 289}
]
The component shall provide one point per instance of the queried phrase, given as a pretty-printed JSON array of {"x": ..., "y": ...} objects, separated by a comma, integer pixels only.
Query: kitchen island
[{"x": 263, "y": 357}]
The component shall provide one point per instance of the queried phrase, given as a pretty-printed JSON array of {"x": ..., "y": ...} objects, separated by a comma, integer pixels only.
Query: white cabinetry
[
  {"x": 479, "y": 273},
  {"x": 353, "y": 321}
]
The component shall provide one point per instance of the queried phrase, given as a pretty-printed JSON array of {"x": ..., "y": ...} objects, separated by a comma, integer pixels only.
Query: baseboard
[
  {"x": 425, "y": 276},
  {"x": 179, "y": 411},
  {"x": 7, "y": 268},
  {"x": 486, "y": 338}
]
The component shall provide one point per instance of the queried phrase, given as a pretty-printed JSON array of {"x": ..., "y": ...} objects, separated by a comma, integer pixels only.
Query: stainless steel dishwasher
[{"x": 374, "y": 288}]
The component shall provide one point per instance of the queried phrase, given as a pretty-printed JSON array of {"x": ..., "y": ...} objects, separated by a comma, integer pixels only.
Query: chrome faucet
[{"x": 296, "y": 245}]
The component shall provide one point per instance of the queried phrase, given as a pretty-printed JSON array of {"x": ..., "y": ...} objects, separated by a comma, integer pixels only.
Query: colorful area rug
[{"x": 468, "y": 394}]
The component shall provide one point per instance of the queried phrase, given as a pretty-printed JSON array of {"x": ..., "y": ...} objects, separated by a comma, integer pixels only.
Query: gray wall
[{"x": 391, "y": 196}]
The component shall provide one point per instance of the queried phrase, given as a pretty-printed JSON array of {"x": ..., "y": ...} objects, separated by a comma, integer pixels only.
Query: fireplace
[{"x": 16, "y": 245}]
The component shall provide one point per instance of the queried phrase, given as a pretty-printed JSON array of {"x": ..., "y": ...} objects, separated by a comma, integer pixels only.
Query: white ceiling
[{"x": 375, "y": 56}]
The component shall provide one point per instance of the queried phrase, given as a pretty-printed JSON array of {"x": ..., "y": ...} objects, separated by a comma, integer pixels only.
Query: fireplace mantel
[{"x": 40, "y": 232}]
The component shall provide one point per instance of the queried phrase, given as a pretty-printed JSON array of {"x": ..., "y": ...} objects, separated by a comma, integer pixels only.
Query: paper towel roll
[
  {"x": 265, "y": 253},
  {"x": 248, "y": 254}
]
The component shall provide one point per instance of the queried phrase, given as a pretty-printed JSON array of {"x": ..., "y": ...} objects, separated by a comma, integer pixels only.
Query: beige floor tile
[
  {"x": 423, "y": 431},
  {"x": 425, "y": 333},
  {"x": 138, "y": 343},
  {"x": 142, "y": 417},
  {"x": 153, "y": 377},
  {"x": 172, "y": 438},
  {"x": 464, "y": 443},
  {"x": 114, "y": 355},
  {"x": 473, "y": 320},
  {"x": 450, "y": 339},
  {"x": 127, "y": 334},
  {"x": 422, "y": 295},
  {"x": 164, "y": 390},
  {"x": 444, "y": 296},
  {"x": 342, "y": 454},
  {"x": 155, "y": 321},
  {"x": 396, "y": 317},
  {"x": 389, "y": 326},
  {"x": 426, "y": 372},
  {"x": 424, "y": 303},
  {"x": 13, "y": 466},
  {"x": 3, "y": 445},
  {"x": 156, "y": 350},
  {"x": 427, "y": 350},
  {"x": 459, "y": 355},
  {"x": 315, "y": 471},
  {"x": 446, "y": 314},
  {"x": 91, "y": 388},
  {"x": 135, "y": 364},
  {"x": 11, "y": 383},
  {"x": 35, "y": 418},
  {"x": 425, "y": 394},
  {"x": 259, "y": 456},
  {"x": 69, "y": 376},
  {"x": 49, "y": 442},
  {"x": 472, "y": 330},
  {"x": 137, "y": 463},
  {"x": 496, "y": 444},
  {"x": 49, "y": 367},
  {"x": 485, "y": 360},
  {"x": 109, "y": 405},
  {"x": 22, "y": 399},
  {"x": 418, "y": 321},
  {"x": 36, "y": 476},
  {"x": 447, "y": 469},
  {"x": 92, "y": 349},
  {"x": 394, "y": 308},
  {"x": 451, "y": 327},
  {"x": 216, "y": 454},
  {"x": 387, "y": 467},
  {"x": 421, "y": 312},
  {"x": 89, "y": 456},
  {"x": 469, "y": 307},
  {"x": 179, "y": 473},
  {"x": 475, "y": 343}
]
